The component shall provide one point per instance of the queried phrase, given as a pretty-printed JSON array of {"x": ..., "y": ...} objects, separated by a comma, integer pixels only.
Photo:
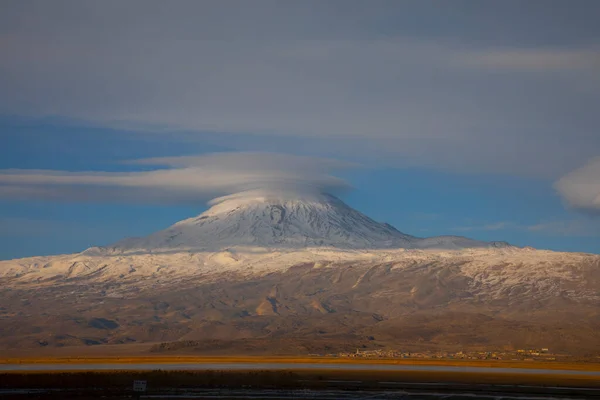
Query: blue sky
[{"x": 443, "y": 118}]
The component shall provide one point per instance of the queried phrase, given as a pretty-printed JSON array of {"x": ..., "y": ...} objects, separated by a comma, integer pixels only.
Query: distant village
[{"x": 542, "y": 354}]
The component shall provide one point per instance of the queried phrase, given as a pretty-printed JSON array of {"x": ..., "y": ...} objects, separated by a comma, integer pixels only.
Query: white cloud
[
  {"x": 581, "y": 187},
  {"x": 242, "y": 161},
  {"x": 186, "y": 179}
]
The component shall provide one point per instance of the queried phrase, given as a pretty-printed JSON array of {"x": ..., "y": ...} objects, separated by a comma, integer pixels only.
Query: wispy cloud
[
  {"x": 184, "y": 179},
  {"x": 535, "y": 59},
  {"x": 13, "y": 226},
  {"x": 495, "y": 226},
  {"x": 581, "y": 187},
  {"x": 573, "y": 227},
  {"x": 24, "y": 227}
]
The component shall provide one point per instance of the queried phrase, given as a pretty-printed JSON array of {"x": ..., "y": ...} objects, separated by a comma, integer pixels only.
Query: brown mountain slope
[{"x": 449, "y": 303}]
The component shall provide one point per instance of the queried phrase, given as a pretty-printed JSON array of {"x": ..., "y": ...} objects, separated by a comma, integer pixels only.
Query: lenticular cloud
[{"x": 180, "y": 179}]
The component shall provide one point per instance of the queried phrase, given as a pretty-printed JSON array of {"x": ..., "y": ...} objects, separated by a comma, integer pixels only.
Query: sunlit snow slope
[{"x": 283, "y": 220}]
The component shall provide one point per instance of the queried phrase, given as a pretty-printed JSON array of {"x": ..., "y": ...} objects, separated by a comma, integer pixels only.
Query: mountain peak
[
  {"x": 272, "y": 219},
  {"x": 284, "y": 220},
  {"x": 257, "y": 198}
]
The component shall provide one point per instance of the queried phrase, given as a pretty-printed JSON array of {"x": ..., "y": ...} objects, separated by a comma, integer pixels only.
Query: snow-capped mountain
[
  {"x": 284, "y": 220},
  {"x": 303, "y": 271}
]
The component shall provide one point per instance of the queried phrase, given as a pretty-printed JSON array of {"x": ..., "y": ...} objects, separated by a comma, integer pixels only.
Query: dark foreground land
[{"x": 297, "y": 384}]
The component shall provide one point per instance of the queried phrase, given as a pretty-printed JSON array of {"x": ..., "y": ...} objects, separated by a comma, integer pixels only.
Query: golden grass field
[{"x": 182, "y": 359}]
